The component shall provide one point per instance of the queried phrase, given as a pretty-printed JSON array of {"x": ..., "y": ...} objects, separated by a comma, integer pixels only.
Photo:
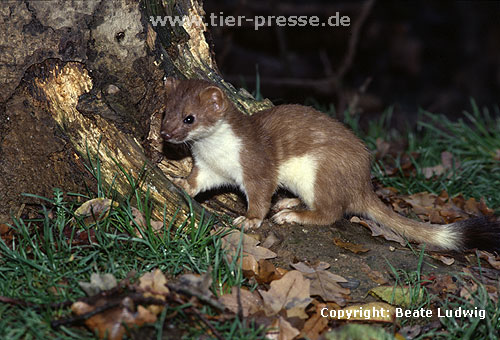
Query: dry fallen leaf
[
  {"x": 234, "y": 239},
  {"x": 95, "y": 210},
  {"x": 421, "y": 202},
  {"x": 59, "y": 288},
  {"x": 324, "y": 283},
  {"x": 140, "y": 220},
  {"x": 200, "y": 284},
  {"x": 290, "y": 293},
  {"x": 98, "y": 283},
  {"x": 374, "y": 275},
  {"x": 493, "y": 260},
  {"x": 484, "y": 209},
  {"x": 401, "y": 296},
  {"x": 411, "y": 331},
  {"x": 315, "y": 324},
  {"x": 251, "y": 254},
  {"x": 471, "y": 207},
  {"x": 432, "y": 171},
  {"x": 451, "y": 214},
  {"x": 447, "y": 163},
  {"x": 435, "y": 218},
  {"x": 405, "y": 165},
  {"x": 251, "y": 302},
  {"x": 355, "y": 248},
  {"x": 6, "y": 232},
  {"x": 154, "y": 285},
  {"x": 442, "y": 285},
  {"x": 382, "y": 148},
  {"x": 281, "y": 329},
  {"x": 378, "y": 230},
  {"x": 468, "y": 290},
  {"x": 492, "y": 292},
  {"x": 110, "y": 323},
  {"x": 270, "y": 240},
  {"x": 309, "y": 269},
  {"x": 446, "y": 260},
  {"x": 267, "y": 272}
]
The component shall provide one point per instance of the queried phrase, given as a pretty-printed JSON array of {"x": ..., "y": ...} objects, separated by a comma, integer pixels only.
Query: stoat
[{"x": 300, "y": 149}]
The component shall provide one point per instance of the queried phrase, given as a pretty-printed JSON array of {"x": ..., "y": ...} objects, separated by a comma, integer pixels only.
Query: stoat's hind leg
[
  {"x": 318, "y": 217},
  {"x": 286, "y": 203}
]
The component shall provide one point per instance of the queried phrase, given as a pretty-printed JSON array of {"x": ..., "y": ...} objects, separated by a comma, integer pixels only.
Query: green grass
[
  {"x": 411, "y": 282},
  {"x": 470, "y": 327},
  {"x": 454, "y": 327},
  {"x": 42, "y": 257}
]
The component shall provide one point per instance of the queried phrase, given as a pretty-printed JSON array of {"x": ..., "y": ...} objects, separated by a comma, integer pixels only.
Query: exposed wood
[
  {"x": 58, "y": 90},
  {"x": 92, "y": 82}
]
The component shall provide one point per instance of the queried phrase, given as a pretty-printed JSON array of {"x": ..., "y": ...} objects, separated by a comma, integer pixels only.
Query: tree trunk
[{"x": 86, "y": 79}]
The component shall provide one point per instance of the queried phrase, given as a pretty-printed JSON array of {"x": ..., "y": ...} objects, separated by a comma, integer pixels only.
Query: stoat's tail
[{"x": 478, "y": 233}]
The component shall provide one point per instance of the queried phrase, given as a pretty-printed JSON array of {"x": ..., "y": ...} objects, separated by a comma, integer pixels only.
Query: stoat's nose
[{"x": 166, "y": 135}]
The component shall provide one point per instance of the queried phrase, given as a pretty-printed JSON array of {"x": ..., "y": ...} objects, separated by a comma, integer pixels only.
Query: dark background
[{"x": 434, "y": 55}]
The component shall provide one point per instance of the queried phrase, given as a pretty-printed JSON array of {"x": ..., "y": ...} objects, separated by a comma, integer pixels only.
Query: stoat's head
[{"x": 193, "y": 108}]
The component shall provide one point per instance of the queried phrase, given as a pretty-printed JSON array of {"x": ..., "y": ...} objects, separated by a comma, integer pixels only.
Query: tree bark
[{"x": 87, "y": 78}]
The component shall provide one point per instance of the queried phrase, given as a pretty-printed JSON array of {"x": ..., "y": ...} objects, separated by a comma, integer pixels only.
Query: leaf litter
[{"x": 282, "y": 296}]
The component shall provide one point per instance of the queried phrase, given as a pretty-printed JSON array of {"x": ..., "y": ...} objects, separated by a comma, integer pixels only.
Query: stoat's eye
[{"x": 189, "y": 119}]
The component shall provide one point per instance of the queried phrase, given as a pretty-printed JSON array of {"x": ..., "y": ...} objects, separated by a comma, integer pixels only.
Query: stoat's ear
[
  {"x": 170, "y": 83},
  {"x": 214, "y": 97}
]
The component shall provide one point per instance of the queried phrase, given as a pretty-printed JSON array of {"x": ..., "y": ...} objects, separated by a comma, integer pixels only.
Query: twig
[
  {"x": 13, "y": 301},
  {"x": 240, "y": 305},
  {"x": 18, "y": 302},
  {"x": 206, "y": 322},
  {"x": 85, "y": 316},
  {"x": 353, "y": 42},
  {"x": 136, "y": 298},
  {"x": 187, "y": 291},
  {"x": 353, "y": 104}
]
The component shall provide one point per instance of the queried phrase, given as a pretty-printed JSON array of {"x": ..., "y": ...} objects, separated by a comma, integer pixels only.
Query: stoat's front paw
[
  {"x": 285, "y": 216},
  {"x": 247, "y": 223},
  {"x": 286, "y": 203},
  {"x": 183, "y": 183}
]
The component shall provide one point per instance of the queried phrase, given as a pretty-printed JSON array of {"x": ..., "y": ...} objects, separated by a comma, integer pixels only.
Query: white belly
[{"x": 298, "y": 175}]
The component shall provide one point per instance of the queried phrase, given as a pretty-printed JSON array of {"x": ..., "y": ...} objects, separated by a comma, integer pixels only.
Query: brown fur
[{"x": 270, "y": 138}]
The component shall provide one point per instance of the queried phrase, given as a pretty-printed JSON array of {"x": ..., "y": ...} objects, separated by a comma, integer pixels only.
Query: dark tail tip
[{"x": 481, "y": 233}]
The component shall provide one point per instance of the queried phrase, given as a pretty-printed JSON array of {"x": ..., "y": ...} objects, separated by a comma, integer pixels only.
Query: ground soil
[{"x": 315, "y": 243}]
